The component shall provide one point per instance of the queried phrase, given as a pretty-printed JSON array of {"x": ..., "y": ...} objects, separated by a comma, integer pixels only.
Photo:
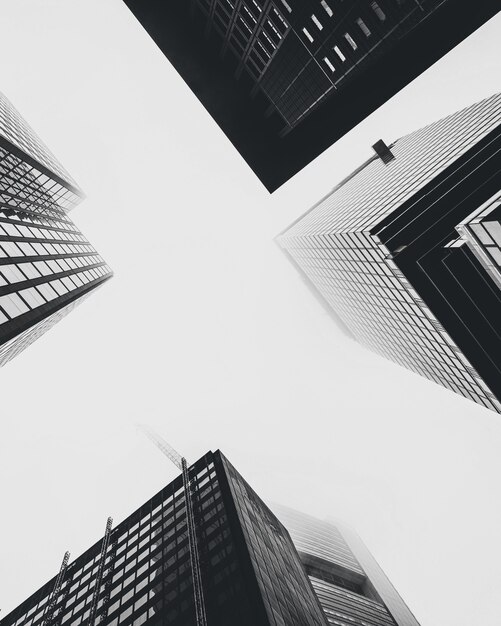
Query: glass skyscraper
[
  {"x": 351, "y": 587},
  {"x": 251, "y": 571},
  {"x": 406, "y": 251},
  {"x": 47, "y": 266}
]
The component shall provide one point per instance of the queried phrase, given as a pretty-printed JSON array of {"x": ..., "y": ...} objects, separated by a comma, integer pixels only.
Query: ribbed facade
[
  {"x": 46, "y": 263},
  {"x": 348, "y": 582},
  {"x": 375, "y": 247}
]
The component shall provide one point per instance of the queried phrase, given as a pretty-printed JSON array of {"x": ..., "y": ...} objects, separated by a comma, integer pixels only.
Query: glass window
[
  {"x": 339, "y": 53},
  {"x": 12, "y": 273},
  {"x": 13, "y": 305},
  {"x": 327, "y": 8},
  {"x": 350, "y": 40},
  {"x": 378, "y": 11},
  {"x": 308, "y": 36},
  {"x": 317, "y": 22},
  {"x": 46, "y": 290},
  {"x": 32, "y": 297},
  {"x": 329, "y": 64},
  {"x": 494, "y": 229},
  {"x": 363, "y": 27}
]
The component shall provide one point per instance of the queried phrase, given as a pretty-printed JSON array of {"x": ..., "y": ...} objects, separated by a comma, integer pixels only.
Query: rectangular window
[
  {"x": 329, "y": 64},
  {"x": 481, "y": 234},
  {"x": 11, "y": 249},
  {"x": 378, "y": 11},
  {"x": 13, "y": 305},
  {"x": 309, "y": 37},
  {"x": 339, "y": 53},
  {"x": 363, "y": 27},
  {"x": 316, "y": 21},
  {"x": 327, "y": 8},
  {"x": 12, "y": 273},
  {"x": 287, "y": 6},
  {"x": 350, "y": 40},
  {"x": 494, "y": 229},
  {"x": 59, "y": 287},
  {"x": 32, "y": 297}
]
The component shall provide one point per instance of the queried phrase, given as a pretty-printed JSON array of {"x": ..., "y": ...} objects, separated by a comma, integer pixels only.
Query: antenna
[
  {"x": 163, "y": 446},
  {"x": 181, "y": 463}
]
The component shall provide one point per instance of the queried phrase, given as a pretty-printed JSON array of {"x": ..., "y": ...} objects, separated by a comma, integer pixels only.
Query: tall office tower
[
  {"x": 285, "y": 79},
  {"x": 141, "y": 571},
  {"x": 406, "y": 250},
  {"x": 352, "y": 588},
  {"x": 301, "y": 52},
  {"x": 46, "y": 264}
]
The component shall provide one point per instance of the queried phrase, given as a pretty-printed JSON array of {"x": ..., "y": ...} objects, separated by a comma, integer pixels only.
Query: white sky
[{"x": 207, "y": 333}]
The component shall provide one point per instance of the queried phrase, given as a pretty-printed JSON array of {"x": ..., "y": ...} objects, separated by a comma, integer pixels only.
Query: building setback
[
  {"x": 47, "y": 266},
  {"x": 351, "y": 587},
  {"x": 407, "y": 251},
  {"x": 251, "y": 572}
]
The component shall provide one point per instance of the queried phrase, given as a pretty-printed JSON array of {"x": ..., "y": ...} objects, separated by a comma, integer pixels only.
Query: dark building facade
[
  {"x": 406, "y": 251},
  {"x": 351, "y": 587},
  {"x": 285, "y": 79},
  {"x": 46, "y": 265},
  {"x": 301, "y": 52},
  {"x": 140, "y": 572}
]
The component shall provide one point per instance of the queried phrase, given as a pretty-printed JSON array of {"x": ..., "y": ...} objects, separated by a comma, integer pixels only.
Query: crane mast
[
  {"x": 49, "y": 608},
  {"x": 99, "y": 575},
  {"x": 181, "y": 463}
]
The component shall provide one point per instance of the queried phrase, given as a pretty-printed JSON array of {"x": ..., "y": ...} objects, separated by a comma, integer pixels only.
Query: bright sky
[{"x": 207, "y": 333}]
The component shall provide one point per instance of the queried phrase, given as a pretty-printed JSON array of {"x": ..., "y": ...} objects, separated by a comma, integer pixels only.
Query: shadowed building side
[{"x": 285, "y": 79}]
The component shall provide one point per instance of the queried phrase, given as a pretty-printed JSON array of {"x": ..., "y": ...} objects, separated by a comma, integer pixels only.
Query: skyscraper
[
  {"x": 47, "y": 266},
  {"x": 351, "y": 587},
  {"x": 299, "y": 53},
  {"x": 285, "y": 79},
  {"x": 250, "y": 570},
  {"x": 406, "y": 251}
]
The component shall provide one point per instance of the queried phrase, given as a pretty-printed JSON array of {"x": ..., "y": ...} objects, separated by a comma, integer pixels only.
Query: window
[
  {"x": 329, "y": 64},
  {"x": 309, "y": 37},
  {"x": 494, "y": 229},
  {"x": 316, "y": 21},
  {"x": 350, "y": 40},
  {"x": 12, "y": 273},
  {"x": 32, "y": 297},
  {"x": 42, "y": 267},
  {"x": 363, "y": 27},
  {"x": 47, "y": 291},
  {"x": 378, "y": 11},
  {"x": 13, "y": 305},
  {"x": 11, "y": 249},
  {"x": 327, "y": 8},
  {"x": 339, "y": 53},
  {"x": 286, "y": 5}
]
